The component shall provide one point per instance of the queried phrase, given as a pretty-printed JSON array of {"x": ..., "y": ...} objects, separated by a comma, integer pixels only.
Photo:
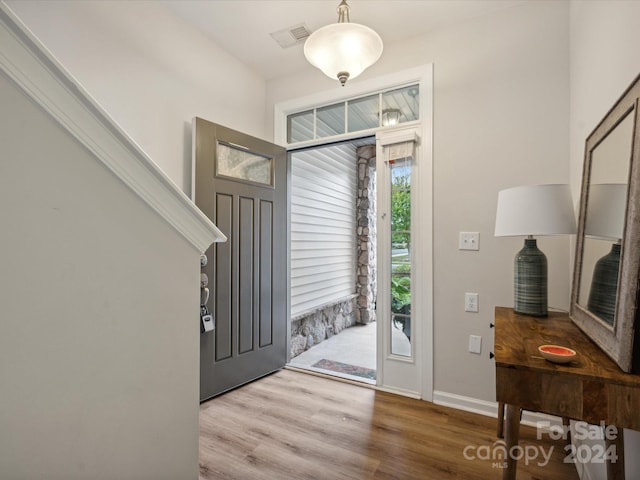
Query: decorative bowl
[{"x": 556, "y": 353}]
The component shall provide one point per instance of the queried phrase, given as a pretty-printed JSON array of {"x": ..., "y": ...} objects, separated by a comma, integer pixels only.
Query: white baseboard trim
[
  {"x": 399, "y": 391},
  {"x": 489, "y": 409}
]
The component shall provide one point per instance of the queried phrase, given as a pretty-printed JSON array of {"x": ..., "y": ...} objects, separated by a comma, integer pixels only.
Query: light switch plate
[{"x": 475, "y": 343}]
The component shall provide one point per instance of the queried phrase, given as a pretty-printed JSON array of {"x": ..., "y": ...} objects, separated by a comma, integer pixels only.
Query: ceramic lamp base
[
  {"x": 530, "y": 280},
  {"x": 604, "y": 285}
]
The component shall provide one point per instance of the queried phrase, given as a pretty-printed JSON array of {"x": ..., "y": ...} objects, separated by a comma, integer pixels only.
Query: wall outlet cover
[
  {"x": 469, "y": 241},
  {"x": 471, "y": 302}
]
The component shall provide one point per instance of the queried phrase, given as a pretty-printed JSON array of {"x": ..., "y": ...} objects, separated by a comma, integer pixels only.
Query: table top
[{"x": 517, "y": 338}]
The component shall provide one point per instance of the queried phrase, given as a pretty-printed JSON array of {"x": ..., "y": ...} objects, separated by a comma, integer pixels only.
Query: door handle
[{"x": 206, "y": 296}]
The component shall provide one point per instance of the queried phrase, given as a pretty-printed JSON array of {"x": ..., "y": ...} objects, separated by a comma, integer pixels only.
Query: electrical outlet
[
  {"x": 475, "y": 343},
  {"x": 471, "y": 302},
  {"x": 469, "y": 241}
]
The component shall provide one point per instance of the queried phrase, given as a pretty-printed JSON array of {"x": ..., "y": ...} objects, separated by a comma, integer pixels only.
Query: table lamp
[
  {"x": 606, "y": 207},
  {"x": 527, "y": 211}
]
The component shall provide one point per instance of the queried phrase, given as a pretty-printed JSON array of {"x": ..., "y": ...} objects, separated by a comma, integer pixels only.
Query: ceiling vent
[{"x": 291, "y": 36}]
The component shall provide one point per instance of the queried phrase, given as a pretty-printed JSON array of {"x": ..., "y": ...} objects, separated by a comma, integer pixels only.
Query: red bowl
[{"x": 556, "y": 353}]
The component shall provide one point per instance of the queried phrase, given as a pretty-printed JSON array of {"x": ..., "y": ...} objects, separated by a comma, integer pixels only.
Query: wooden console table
[{"x": 592, "y": 388}]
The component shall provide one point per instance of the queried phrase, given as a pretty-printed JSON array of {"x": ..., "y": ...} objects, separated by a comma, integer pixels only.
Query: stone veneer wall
[
  {"x": 366, "y": 235},
  {"x": 314, "y": 327}
]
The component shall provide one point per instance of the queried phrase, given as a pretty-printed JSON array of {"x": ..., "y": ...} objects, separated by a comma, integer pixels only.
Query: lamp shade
[
  {"x": 606, "y": 206},
  {"x": 535, "y": 210},
  {"x": 343, "y": 50}
]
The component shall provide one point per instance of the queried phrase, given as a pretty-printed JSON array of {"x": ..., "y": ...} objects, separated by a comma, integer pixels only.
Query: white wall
[
  {"x": 501, "y": 118},
  {"x": 604, "y": 61},
  {"x": 99, "y": 352},
  {"x": 150, "y": 71}
]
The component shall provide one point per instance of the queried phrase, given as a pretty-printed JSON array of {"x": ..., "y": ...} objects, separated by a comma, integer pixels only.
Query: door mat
[{"x": 345, "y": 368}]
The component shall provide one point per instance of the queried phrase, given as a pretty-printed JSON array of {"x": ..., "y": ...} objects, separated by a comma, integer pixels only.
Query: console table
[{"x": 591, "y": 388}]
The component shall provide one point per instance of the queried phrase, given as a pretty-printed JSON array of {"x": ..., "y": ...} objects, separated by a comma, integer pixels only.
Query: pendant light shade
[{"x": 343, "y": 50}]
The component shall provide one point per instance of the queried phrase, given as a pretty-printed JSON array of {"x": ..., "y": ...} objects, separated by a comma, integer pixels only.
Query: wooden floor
[{"x": 295, "y": 426}]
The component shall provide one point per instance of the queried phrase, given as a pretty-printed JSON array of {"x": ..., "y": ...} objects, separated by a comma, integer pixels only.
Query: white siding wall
[{"x": 323, "y": 226}]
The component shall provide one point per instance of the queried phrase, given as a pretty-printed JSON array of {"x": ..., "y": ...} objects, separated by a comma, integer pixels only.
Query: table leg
[
  {"x": 512, "y": 435},
  {"x": 566, "y": 423},
  {"x": 500, "y": 419},
  {"x": 615, "y": 471}
]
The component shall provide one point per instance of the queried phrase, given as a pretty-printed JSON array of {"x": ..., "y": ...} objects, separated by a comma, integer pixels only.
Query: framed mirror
[{"x": 604, "y": 301}]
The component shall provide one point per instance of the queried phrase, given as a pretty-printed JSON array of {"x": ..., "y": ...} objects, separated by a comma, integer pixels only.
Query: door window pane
[{"x": 242, "y": 164}]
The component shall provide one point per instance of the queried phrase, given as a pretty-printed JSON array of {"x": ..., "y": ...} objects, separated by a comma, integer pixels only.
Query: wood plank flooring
[{"x": 294, "y": 426}]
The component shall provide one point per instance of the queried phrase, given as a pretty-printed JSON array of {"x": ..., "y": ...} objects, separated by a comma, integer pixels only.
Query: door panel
[
  {"x": 222, "y": 285},
  {"x": 247, "y": 274},
  {"x": 266, "y": 267},
  {"x": 245, "y": 270}
]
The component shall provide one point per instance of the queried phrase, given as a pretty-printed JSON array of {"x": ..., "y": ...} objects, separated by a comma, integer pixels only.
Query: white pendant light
[{"x": 343, "y": 50}]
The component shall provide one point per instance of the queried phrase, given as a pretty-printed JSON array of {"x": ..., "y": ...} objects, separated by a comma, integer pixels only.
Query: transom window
[{"x": 386, "y": 108}]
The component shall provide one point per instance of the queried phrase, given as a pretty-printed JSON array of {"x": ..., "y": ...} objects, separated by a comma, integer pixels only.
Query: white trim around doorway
[{"x": 424, "y": 183}]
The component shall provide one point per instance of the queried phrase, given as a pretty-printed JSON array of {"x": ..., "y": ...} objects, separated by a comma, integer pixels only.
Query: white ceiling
[{"x": 243, "y": 27}]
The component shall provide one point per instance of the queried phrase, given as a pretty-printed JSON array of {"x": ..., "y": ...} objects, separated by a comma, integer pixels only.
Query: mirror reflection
[{"x": 604, "y": 222}]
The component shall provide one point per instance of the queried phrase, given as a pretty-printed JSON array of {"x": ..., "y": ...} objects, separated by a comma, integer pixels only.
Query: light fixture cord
[{"x": 343, "y": 12}]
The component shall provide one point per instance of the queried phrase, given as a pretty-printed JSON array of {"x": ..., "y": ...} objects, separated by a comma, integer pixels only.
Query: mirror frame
[{"x": 621, "y": 340}]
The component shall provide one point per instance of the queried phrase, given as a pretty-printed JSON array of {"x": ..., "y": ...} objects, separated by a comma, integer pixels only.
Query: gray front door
[{"x": 240, "y": 183}]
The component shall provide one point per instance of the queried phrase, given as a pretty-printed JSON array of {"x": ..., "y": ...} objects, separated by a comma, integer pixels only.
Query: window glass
[
  {"x": 300, "y": 127},
  {"x": 401, "y": 256},
  {"x": 243, "y": 165},
  {"x": 401, "y": 105},
  {"x": 380, "y": 109},
  {"x": 330, "y": 120},
  {"x": 363, "y": 113}
]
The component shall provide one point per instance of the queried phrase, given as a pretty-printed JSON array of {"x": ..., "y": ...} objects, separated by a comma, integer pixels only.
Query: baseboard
[
  {"x": 489, "y": 409},
  {"x": 399, "y": 391}
]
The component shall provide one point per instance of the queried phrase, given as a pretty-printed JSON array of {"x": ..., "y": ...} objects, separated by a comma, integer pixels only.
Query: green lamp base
[{"x": 530, "y": 280}]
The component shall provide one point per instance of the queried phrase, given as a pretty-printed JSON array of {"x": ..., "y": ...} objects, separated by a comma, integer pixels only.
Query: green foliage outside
[
  {"x": 401, "y": 238},
  {"x": 400, "y": 211},
  {"x": 400, "y": 294}
]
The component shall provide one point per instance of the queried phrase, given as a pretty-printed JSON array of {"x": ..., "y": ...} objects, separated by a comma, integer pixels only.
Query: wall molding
[{"x": 38, "y": 73}]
